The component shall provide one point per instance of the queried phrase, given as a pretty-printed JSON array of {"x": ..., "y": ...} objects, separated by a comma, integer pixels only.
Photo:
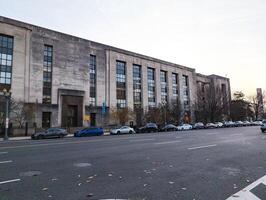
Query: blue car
[{"x": 93, "y": 131}]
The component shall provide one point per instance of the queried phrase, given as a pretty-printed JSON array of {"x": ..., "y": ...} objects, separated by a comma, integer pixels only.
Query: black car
[
  {"x": 50, "y": 133},
  {"x": 149, "y": 127},
  {"x": 169, "y": 127},
  {"x": 263, "y": 126}
]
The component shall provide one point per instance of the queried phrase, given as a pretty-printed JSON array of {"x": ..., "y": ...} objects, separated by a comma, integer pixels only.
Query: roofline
[{"x": 29, "y": 26}]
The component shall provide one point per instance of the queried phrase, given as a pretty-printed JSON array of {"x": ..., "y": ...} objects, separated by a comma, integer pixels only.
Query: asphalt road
[{"x": 202, "y": 165}]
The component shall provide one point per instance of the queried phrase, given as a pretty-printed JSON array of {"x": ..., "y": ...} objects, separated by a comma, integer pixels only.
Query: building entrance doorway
[
  {"x": 72, "y": 115},
  {"x": 93, "y": 119},
  {"x": 72, "y": 111}
]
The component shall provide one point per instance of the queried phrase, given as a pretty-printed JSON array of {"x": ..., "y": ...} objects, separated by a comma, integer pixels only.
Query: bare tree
[
  {"x": 211, "y": 106},
  {"x": 122, "y": 115},
  {"x": 256, "y": 104},
  {"x": 21, "y": 112}
]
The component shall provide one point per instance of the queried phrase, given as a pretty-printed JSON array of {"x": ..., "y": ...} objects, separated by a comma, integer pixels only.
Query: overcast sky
[{"x": 224, "y": 37}]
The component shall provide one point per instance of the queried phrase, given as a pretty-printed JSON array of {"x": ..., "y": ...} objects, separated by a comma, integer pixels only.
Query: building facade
[{"x": 69, "y": 80}]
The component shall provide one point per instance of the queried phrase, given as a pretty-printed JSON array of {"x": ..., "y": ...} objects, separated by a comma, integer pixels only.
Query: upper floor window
[
  {"x": 92, "y": 71},
  {"x": 47, "y": 73},
  {"x": 6, "y": 59}
]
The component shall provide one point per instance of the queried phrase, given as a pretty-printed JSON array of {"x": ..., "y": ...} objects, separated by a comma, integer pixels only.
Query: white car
[
  {"x": 184, "y": 127},
  {"x": 122, "y": 130},
  {"x": 219, "y": 124}
]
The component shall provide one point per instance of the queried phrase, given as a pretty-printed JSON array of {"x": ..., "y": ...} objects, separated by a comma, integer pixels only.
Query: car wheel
[
  {"x": 130, "y": 132},
  {"x": 39, "y": 137},
  {"x": 118, "y": 132},
  {"x": 61, "y": 136}
]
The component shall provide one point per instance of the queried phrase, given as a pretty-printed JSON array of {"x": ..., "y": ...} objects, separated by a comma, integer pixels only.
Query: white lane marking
[
  {"x": 140, "y": 140},
  {"x": 245, "y": 193},
  {"x": 1, "y": 153},
  {"x": 9, "y": 181},
  {"x": 178, "y": 137},
  {"x": 237, "y": 134},
  {"x": 169, "y": 142},
  {"x": 212, "y": 133},
  {"x": 201, "y": 147},
  {"x": 6, "y": 161}
]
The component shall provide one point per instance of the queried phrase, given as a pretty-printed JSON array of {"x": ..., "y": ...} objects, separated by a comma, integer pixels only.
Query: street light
[{"x": 7, "y": 95}]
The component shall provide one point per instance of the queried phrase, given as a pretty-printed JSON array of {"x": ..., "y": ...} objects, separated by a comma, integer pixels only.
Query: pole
[{"x": 7, "y": 120}]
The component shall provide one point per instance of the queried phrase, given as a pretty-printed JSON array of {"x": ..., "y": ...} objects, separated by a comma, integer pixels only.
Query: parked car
[
  {"x": 218, "y": 124},
  {"x": 210, "y": 125},
  {"x": 198, "y": 125},
  {"x": 184, "y": 127},
  {"x": 50, "y": 133},
  {"x": 229, "y": 124},
  {"x": 246, "y": 123},
  {"x": 263, "y": 126},
  {"x": 91, "y": 131},
  {"x": 122, "y": 130},
  {"x": 257, "y": 123},
  {"x": 149, "y": 127},
  {"x": 169, "y": 127},
  {"x": 239, "y": 123}
]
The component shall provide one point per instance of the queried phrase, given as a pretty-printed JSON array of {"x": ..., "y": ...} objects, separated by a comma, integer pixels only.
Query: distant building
[
  {"x": 260, "y": 103},
  {"x": 70, "y": 80}
]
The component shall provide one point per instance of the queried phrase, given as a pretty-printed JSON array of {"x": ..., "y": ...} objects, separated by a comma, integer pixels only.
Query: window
[
  {"x": 185, "y": 82},
  {"x": 121, "y": 84},
  {"x": 137, "y": 85},
  {"x": 92, "y": 80},
  {"x": 6, "y": 59},
  {"x": 151, "y": 87},
  {"x": 47, "y": 73},
  {"x": 163, "y": 78},
  {"x": 175, "y": 85}
]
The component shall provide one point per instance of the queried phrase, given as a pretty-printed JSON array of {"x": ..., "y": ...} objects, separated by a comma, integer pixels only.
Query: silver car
[{"x": 122, "y": 130}]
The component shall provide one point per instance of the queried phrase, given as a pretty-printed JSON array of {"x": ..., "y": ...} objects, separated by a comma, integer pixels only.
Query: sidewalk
[
  {"x": 26, "y": 138},
  {"x": 29, "y": 138}
]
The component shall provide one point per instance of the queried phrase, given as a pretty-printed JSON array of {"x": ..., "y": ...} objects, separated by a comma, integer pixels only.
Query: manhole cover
[
  {"x": 30, "y": 173},
  {"x": 82, "y": 164}
]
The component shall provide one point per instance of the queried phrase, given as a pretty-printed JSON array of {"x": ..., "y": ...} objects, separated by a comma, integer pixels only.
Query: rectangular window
[
  {"x": 175, "y": 85},
  {"x": 121, "y": 84},
  {"x": 151, "y": 87},
  {"x": 47, "y": 73},
  {"x": 185, "y": 83},
  {"x": 6, "y": 60},
  {"x": 137, "y": 85},
  {"x": 163, "y": 78},
  {"x": 92, "y": 80}
]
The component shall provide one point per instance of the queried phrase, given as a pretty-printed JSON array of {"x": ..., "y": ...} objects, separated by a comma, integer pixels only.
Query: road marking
[
  {"x": 246, "y": 193},
  {"x": 1, "y": 153},
  {"x": 178, "y": 137},
  {"x": 140, "y": 140},
  {"x": 169, "y": 142},
  {"x": 201, "y": 147},
  {"x": 9, "y": 181},
  {"x": 6, "y": 161},
  {"x": 212, "y": 133},
  {"x": 57, "y": 143},
  {"x": 237, "y": 134}
]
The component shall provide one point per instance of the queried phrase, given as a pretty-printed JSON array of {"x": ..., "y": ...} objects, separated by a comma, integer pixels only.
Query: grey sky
[{"x": 225, "y": 37}]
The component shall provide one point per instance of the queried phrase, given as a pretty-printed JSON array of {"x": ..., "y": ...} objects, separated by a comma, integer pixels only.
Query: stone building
[{"x": 70, "y": 80}]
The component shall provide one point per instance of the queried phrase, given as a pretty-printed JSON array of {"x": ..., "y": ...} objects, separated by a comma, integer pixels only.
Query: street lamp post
[{"x": 7, "y": 95}]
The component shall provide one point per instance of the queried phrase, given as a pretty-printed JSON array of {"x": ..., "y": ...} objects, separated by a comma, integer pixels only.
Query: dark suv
[
  {"x": 263, "y": 126},
  {"x": 149, "y": 127}
]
